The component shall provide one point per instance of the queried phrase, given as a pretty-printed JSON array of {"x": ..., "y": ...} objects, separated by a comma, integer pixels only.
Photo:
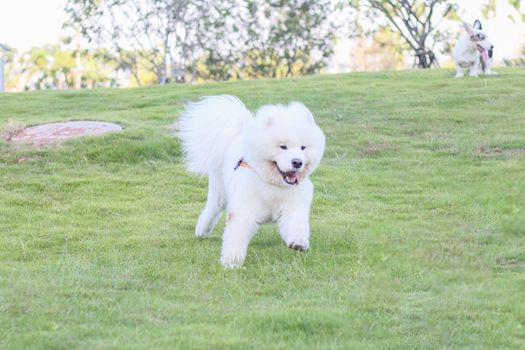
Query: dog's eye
[
  {"x": 283, "y": 147},
  {"x": 303, "y": 147}
]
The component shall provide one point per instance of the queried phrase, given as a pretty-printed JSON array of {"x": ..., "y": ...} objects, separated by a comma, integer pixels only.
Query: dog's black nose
[
  {"x": 492, "y": 47},
  {"x": 297, "y": 163}
]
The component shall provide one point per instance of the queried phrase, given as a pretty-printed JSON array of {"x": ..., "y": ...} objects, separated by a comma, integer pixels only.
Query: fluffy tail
[{"x": 207, "y": 128}]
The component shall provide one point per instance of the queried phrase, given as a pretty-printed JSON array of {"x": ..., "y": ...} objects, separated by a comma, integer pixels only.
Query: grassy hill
[{"x": 418, "y": 223}]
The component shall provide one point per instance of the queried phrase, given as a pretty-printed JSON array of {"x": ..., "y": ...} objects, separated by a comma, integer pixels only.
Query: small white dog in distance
[
  {"x": 258, "y": 168},
  {"x": 473, "y": 51}
]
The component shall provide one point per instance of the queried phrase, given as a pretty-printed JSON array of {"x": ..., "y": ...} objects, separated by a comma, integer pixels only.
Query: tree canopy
[{"x": 179, "y": 40}]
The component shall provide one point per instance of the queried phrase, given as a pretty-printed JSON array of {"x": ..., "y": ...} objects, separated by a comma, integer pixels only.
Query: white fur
[
  {"x": 467, "y": 54},
  {"x": 216, "y": 133}
]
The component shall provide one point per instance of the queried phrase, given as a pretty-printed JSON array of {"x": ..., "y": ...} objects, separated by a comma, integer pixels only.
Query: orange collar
[{"x": 243, "y": 164}]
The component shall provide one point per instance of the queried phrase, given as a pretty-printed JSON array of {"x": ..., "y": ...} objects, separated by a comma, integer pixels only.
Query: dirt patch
[
  {"x": 371, "y": 149},
  {"x": 510, "y": 263},
  {"x": 55, "y": 132},
  {"x": 18, "y": 160},
  {"x": 26, "y": 159},
  {"x": 11, "y": 129},
  {"x": 490, "y": 152}
]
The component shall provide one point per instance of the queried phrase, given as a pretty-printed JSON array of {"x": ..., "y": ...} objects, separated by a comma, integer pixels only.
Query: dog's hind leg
[
  {"x": 475, "y": 70},
  {"x": 211, "y": 213}
]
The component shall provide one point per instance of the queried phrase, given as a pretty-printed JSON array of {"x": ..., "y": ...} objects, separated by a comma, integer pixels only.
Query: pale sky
[{"x": 28, "y": 23}]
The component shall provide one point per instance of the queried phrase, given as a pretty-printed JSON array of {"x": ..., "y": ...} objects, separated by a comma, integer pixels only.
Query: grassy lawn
[{"x": 418, "y": 223}]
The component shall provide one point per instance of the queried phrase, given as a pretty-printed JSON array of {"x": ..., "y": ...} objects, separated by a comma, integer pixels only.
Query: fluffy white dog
[
  {"x": 473, "y": 51},
  {"x": 257, "y": 166}
]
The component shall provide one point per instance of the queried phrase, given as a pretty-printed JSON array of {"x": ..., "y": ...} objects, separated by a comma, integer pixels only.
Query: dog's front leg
[
  {"x": 475, "y": 69},
  {"x": 459, "y": 71},
  {"x": 294, "y": 227},
  {"x": 240, "y": 228}
]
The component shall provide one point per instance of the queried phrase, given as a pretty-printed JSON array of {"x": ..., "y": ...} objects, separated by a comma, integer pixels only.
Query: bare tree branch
[{"x": 413, "y": 20}]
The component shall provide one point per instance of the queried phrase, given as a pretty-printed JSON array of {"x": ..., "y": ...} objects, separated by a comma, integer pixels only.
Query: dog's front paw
[
  {"x": 298, "y": 244},
  {"x": 232, "y": 261},
  {"x": 202, "y": 231},
  {"x": 203, "y": 228}
]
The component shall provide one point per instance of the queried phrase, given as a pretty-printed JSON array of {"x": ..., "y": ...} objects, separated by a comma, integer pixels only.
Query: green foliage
[
  {"x": 517, "y": 5},
  {"x": 279, "y": 39},
  {"x": 57, "y": 67},
  {"x": 48, "y": 67},
  {"x": 380, "y": 51},
  {"x": 210, "y": 40},
  {"x": 300, "y": 39},
  {"x": 418, "y": 223},
  {"x": 489, "y": 9},
  {"x": 160, "y": 35}
]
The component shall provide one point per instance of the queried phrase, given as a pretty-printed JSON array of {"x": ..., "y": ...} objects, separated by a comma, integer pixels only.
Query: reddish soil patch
[
  {"x": 501, "y": 152},
  {"x": 510, "y": 263},
  {"x": 371, "y": 149},
  {"x": 47, "y": 133}
]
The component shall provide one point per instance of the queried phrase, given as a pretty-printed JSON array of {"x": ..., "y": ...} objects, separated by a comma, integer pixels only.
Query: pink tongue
[
  {"x": 484, "y": 54},
  {"x": 291, "y": 175}
]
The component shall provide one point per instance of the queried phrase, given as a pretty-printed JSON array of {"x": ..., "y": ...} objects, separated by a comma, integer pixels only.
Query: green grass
[{"x": 418, "y": 223}]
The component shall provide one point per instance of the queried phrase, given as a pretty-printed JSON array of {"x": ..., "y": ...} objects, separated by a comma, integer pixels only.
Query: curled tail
[{"x": 207, "y": 128}]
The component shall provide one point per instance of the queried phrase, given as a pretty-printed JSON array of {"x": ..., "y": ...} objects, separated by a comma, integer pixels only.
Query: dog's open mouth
[
  {"x": 483, "y": 52},
  {"x": 290, "y": 177}
]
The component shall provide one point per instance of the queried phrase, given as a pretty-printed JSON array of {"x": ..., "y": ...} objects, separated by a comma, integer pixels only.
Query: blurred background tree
[
  {"x": 141, "y": 42},
  {"x": 517, "y": 4},
  {"x": 56, "y": 67},
  {"x": 380, "y": 50},
  {"x": 210, "y": 40},
  {"x": 162, "y": 36},
  {"x": 11, "y": 72},
  {"x": 416, "y": 21},
  {"x": 289, "y": 38}
]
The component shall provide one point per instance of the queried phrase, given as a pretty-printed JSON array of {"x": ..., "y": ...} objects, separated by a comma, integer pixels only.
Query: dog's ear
[
  {"x": 265, "y": 115},
  {"x": 468, "y": 28},
  {"x": 477, "y": 25},
  {"x": 303, "y": 110},
  {"x": 309, "y": 116}
]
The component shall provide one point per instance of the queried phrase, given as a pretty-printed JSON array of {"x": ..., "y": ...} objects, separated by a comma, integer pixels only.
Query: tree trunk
[
  {"x": 161, "y": 73},
  {"x": 424, "y": 58},
  {"x": 78, "y": 65}
]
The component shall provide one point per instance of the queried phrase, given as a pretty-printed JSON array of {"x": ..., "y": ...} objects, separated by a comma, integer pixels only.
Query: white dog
[
  {"x": 257, "y": 166},
  {"x": 473, "y": 51}
]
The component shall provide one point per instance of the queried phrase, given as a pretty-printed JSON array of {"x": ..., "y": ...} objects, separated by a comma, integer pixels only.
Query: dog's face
[
  {"x": 285, "y": 143},
  {"x": 480, "y": 39}
]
